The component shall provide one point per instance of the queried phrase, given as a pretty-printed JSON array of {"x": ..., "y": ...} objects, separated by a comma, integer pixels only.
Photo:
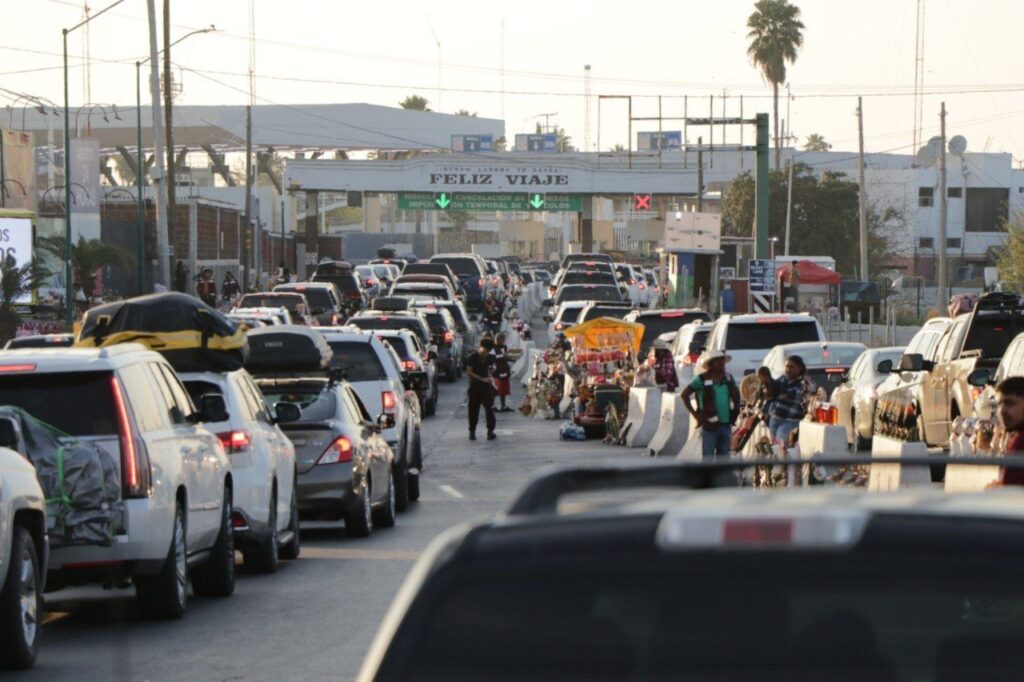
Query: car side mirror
[
  {"x": 911, "y": 362},
  {"x": 212, "y": 408},
  {"x": 884, "y": 367},
  {"x": 287, "y": 412},
  {"x": 979, "y": 378}
]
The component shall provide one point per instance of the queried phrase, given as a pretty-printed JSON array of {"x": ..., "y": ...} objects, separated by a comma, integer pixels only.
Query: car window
[
  {"x": 858, "y": 367},
  {"x": 156, "y": 372},
  {"x": 357, "y": 359},
  {"x": 460, "y": 266},
  {"x": 145, "y": 405},
  {"x": 178, "y": 393},
  {"x": 197, "y": 389},
  {"x": 756, "y": 335},
  {"x": 991, "y": 334},
  {"x": 942, "y": 348},
  {"x": 357, "y": 405},
  {"x": 77, "y": 403},
  {"x": 253, "y": 391},
  {"x": 832, "y": 355},
  {"x": 251, "y": 410},
  {"x": 316, "y": 401},
  {"x": 657, "y": 324}
]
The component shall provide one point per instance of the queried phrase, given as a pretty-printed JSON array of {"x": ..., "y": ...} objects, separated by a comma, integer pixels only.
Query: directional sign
[
  {"x": 641, "y": 202},
  {"x": 467, "y": 201},
  {"x": 762, "y": 276},
  {"x": 472, "y": 143},
  {"x": 540, "y": 142},
  {"x": 659, "y": 141}
]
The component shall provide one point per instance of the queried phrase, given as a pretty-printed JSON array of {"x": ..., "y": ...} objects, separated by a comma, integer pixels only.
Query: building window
[
  {"x": 953, "y": 243},
  {"x": 925, "y": 243},
  {"x": 987, "y": 209},
  {"x": 955, "y": 192},
  {"x": 925, "y": 196}
]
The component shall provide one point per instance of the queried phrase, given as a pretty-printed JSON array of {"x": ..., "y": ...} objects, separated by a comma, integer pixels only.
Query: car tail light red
[
  {"x": 480, "y": 282},
  {"x": 387, "y": 399},
  {"x": 338, "y": 452},
  {"x": 234, "y": 441},
  {"x": 642, "y": 285},
  {"x": 353, "y": 294},
  {"x": 559, "y": 326},
  {"x": 976, "y": 392},
  {"x": 135, "y": 476},
  {"x": 18, "y": 368},
  {"x": 757, "y": 531},
  {"x": 449, "y": 337},
  {"x": 691, "y": 358},
  {"x": 409, "y": 365},
  {"x": 370, "y": 282}
]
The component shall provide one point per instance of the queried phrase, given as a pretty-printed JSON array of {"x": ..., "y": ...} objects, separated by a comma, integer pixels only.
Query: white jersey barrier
[
  {"x": 967, "y": 478},
  {"x": 886, "y": 477},
  {"x": 673, "y": 428},
  {"x": 531, "y": 363},
  {"x": 644, "y": 412}
]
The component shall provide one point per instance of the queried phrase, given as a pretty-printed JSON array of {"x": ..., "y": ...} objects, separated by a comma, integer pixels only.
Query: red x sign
[{"x": 641, "y": 202}]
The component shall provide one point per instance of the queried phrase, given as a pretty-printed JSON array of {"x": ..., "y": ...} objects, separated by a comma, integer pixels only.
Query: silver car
[
  {"x": 345, "y": 467},
  {"x": 855, "y": 398}
]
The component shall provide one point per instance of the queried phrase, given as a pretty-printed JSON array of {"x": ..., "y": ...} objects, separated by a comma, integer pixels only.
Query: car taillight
[
  {"x": 559, "y": 326},
  {"x": 409, "y": 365},
  {"x": 449, "y": 337},
  {"x": 370, "y": 282},
  {"x": 681, "y": 531},
  {"x": 134, "y": 464},
  {"x": 976, "y": 392},
  {"x": 234, "y": 441},
  {"x": 480, "y": 282},
  {"x": 387, "y": 399},
  {"x": 632, "y": 281},
  {"x": 334, "y": 318},
  {"x": 691, "y": 358},
  {"x": 338, "y": 452},
  {"x": 353, "y": 294}
]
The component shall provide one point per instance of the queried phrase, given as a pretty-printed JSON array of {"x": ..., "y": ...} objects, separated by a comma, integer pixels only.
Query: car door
[
  {"x": 380, "y": 462},
  {"x": 282, "y": 452},
  {"x": 843, "y": 395},
  {"x": 206, "y": 465},
  {"x": 933, "y": 389}
]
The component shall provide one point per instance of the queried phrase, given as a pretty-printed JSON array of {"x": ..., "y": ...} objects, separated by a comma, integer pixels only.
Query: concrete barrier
[
  {"x": 644, "y": 411},
  {"x": 531, "y": 362},
  {"x": 895, "y": 476},
  {"x": 568, "y": 394},
  {"x": 967, "y": 478},
  {"x": 822, "y": 439},
  {"x": 673, "y": 428},
  {"x": 520, "y": 365}
]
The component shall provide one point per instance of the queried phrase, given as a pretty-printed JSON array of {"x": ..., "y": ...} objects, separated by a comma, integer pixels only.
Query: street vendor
[
  {"x": 718, "y": 403},
  {"x": 501, "y": 372},
  {"x": 494, "y": 310}
]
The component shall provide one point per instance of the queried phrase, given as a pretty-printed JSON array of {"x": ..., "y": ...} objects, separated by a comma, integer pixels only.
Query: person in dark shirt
[
  {"x": 481, "y": 389},
  {"x": 1010, "y": 394}
]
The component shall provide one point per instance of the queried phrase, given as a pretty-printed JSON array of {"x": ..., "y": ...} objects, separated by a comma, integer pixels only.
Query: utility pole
[
  {"x": 863, "y": 196},
  {"x": 162, "y": 243},
  {"x": 169, "y": 118},
  {"x": 943, "y": 214},
  {"x": 248, "y": 196},
  {"x": 789, "y": 201},
  {"x": 700, "y": 174}
]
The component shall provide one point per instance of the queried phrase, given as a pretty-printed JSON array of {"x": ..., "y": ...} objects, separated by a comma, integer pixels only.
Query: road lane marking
[
  {"x": 451, "y": 492},
  {"x": 359, "y": 554}
]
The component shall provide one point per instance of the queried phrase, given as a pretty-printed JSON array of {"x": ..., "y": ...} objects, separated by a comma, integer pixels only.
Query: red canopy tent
[{"x": 810, "y": 273}]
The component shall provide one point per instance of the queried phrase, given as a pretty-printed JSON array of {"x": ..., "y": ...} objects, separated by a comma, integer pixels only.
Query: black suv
[{"x": 593, "y": 575}]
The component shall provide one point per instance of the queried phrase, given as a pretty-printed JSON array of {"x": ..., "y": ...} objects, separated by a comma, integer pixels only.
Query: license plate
[{"x": 299, "y": 442}]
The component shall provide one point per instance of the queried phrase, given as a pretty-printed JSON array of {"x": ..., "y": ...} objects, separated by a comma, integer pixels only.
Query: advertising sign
[
  {"x": 16, "y": 241},
  {"x": 762, "y": 276}
]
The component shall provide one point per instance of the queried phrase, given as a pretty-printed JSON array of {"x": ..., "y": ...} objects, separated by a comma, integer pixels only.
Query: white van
[{"x": 748, "y": 338}]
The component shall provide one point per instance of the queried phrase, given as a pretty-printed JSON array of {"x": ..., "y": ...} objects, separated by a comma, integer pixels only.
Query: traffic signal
[
  {"x": 641, "y": 202},
  {"x": 442, "y": 200}
]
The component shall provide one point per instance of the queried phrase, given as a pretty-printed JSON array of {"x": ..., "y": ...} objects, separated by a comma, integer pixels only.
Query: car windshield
[
  {"x": 390, "y": 322},
  {"x": 77, "y": 403},
  {"x": 588, "y": 277},
  {"x": 315, "y": 399},
  {"x": 658, "y": 324},
  {"x": 358, "y": 359},
  {"x": 992, "y": 333},
  {"x": 588, "y": 293},
  {"x": 788, "y": 616},
  {"x": 437, "y": 323},
  {"x": 317, "y": 297},
  {"x": 291, "y": 302},
  {"x": 456, "y": 312},
  {"x": 838, "y": 356},
  {"x": 763, "y": 335},
  {"x": 604, "y": 311},
  {"x": 402, "y": 347},
  {"x": 464, "y": 267}
]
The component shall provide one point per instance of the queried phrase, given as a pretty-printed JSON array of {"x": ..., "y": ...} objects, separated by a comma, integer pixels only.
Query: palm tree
[
  {"x": 816, "y": 143},
  {"x": 88, "y": 256},
  {"x": 414, "y": 103},
  {"x": 15, "y": 282},
  {"x": 775, "y": 34}
]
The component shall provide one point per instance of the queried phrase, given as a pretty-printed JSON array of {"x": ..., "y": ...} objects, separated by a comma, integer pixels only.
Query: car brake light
[
  {"x": 480, "y": 282},
  {"x": 691, "y": 358},
  {"x": 370, "y": 282},
  {"x": 757, "y": 532},
  {"x": 449, "y": 337},
  {"x": 387, "y": 399},
  {"x": 559, "y": 326},
  {"x": 354, "y": 294},
  {"x": 338, "y": 452},
  {"x": 134, "y": 473},
  {"x": 690, "y": 529},
  {"x": 771, "y": 320},
  {"x": 18, "y": 368},
  {"x": 234, "y": 441},
  {"x": 834, "y": 370},
  {"x": 642, "y": 285},
  {"x": 677, "y": 314},
  {"x": 976, "y": 392},
  {"x": 409, "y": 365}
]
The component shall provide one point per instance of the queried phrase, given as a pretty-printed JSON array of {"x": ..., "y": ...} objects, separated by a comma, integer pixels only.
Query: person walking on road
[
  {"x": 718, "y": 403},
  {"x": 792, "y": 396},
  {"x": 481, "y": 390},
  {"x": 494, "y": 310},
  {"x": 502, "y": 372}
]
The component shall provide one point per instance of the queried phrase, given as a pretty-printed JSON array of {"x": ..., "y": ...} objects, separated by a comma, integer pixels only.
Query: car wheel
[
  {"x": 165, "y": 594},
  {"x": 216, "y": 578},
  {"x": 21, "y": 604},
  {"x": 359, "y": 523},
  {"x": 291, "y": 549},
  {"x": 430, "y": 406},
  {"x": 384, "y": 515},
  {"x": 413, "y": 482},
  {"x": 860, "y": 443},
  {"x": 266, "y": 559},
  {"x": 401, "y": 483}
]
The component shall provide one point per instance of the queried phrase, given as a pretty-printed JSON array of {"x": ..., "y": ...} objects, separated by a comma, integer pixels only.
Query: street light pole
[
  {"x": 69, "y": 294},
  {"x": 140, "y": 173}
]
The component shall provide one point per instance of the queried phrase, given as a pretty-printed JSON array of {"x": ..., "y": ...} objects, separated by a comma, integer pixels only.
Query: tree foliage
[
  {"x": 775, "y": 34},
  {"x": 816, "y": 143},
  {"x": 465, "y": 112},
  {"x": 1011, "y": 256},
  {"x": 17, "y": 281},
  {"x": 414, "y": 103},
  {"x": 88, "y": 256},
  {"x": 825, "y": 217}
]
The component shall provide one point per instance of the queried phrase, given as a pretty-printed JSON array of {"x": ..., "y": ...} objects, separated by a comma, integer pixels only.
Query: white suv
[
  {"x": 266, "y": 514},
  {"x": 748, "y": 338},
  {"x": 23, "y": 549},
  {"x": 176, "y": 481},
  {"x": 374, "y": 371}
]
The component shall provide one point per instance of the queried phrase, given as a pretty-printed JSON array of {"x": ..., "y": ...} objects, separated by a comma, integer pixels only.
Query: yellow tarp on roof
[{"x": 592, "y": 332}]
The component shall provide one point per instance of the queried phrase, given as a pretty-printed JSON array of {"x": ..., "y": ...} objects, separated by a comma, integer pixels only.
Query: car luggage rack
[{"x": 543, "y": 493}]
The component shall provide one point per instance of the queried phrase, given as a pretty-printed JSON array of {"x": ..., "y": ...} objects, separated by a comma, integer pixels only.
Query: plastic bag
[{"x": 570, "y": 431}]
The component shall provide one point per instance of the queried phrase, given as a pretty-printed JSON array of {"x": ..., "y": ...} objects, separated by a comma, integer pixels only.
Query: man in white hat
[{"x": 718, "y": 403}]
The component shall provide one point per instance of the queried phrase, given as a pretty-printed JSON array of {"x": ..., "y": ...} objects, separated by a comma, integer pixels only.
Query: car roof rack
[{"x": 542, "y": 494}]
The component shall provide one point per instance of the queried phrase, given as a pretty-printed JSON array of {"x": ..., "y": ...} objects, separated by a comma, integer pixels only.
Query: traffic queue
[{"x": 167, "y": 434}]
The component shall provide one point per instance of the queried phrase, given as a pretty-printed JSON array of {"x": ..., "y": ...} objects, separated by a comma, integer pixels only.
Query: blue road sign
[
  {"x": 762, "y": 276},
  {"x": 655, "y": 141}
]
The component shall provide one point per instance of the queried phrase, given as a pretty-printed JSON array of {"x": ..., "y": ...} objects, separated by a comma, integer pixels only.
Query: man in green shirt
[{"x": 718, "y": 403}]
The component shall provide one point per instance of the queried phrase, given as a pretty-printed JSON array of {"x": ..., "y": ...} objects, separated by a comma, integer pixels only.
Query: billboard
[
  {"x": 16, "y": 241},
  {"x": 18, "y": 154}
]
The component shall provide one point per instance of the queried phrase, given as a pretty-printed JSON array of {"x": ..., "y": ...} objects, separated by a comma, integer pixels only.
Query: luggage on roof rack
[
  {"x": 192, "y": 336},
  {"x": 287, "y": 349}
]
